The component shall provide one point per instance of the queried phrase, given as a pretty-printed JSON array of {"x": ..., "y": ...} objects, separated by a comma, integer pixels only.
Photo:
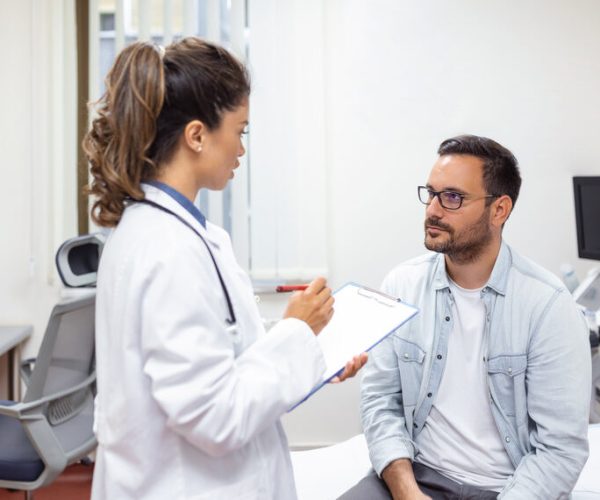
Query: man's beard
[{"x": 463, "y": 247}]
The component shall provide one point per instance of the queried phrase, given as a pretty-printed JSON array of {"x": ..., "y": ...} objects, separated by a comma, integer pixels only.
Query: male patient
[{"x": 485, "y": 394}]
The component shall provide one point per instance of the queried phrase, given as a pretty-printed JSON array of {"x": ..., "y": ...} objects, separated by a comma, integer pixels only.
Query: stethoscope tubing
[{"x": 231, "y": 321}]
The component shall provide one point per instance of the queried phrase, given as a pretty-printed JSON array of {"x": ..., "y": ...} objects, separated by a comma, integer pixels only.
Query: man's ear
[
  {"x": 193, "y": 135},
  {"x": 500, "y": 210}
]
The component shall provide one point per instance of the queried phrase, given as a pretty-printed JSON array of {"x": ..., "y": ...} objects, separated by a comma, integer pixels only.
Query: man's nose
[{"x": 435, "y": 209}]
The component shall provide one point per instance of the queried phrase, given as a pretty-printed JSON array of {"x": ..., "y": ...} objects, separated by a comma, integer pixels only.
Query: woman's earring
[{"x": 199, "y": 148}]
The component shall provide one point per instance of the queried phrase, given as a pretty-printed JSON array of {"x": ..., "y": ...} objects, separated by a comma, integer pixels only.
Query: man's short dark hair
[{"x": 500, "y": 168}]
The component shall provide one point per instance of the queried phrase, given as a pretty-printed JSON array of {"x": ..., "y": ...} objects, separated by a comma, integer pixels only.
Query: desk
[{"x": 11, "y": 338}]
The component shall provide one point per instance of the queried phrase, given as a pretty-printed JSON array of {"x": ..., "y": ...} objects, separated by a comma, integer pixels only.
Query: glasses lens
[
  {"x": 450, "y": 200},
  {"x": 424, "y": 195}
]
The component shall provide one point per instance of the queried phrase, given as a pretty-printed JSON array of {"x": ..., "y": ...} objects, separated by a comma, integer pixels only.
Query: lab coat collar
[
  {"x": 181, "y": 199},
  {"x": 157, "y": 195}
]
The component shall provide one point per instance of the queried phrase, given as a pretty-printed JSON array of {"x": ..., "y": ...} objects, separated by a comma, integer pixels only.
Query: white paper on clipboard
[{"x": 363, "y": 317}]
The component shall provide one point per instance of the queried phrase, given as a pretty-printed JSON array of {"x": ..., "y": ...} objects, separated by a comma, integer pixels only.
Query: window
[
  {"x": 116, "y": 23},
  {"x": 276, "y": 209}
]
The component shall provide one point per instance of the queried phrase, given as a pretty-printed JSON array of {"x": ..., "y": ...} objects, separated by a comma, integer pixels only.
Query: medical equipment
[
  {"x": 231, "y": 320},
  {"x": 587, "y": 294},
  {"x": 569, "y": 277}
]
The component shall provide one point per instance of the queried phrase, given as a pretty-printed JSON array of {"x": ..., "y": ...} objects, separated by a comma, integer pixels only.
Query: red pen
[{"x": 290, "y": 288}]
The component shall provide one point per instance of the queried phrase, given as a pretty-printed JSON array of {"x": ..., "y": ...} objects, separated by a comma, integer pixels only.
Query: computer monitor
[
  {"x": 587, "y": 216},
  {"x": 587, "y": 219}
]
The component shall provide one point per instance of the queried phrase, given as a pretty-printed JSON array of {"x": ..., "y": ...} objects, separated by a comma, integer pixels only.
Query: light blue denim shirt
[{"x": 538, "y": 364}]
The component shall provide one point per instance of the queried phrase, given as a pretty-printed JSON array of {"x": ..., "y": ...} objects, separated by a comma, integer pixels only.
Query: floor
[{"x": 73, "y": 484}]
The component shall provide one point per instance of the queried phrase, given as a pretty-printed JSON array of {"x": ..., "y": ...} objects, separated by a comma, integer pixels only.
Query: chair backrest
[{"x": 66, "y": 360}]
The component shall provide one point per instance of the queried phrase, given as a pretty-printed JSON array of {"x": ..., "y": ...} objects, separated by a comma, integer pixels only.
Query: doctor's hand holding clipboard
[{"x": 190, "y": 386}]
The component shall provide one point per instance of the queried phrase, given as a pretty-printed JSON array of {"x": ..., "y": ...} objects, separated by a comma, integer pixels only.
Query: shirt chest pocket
[
  {"x": 507, "y": 378},
  {"x": 410, "y": 364}
]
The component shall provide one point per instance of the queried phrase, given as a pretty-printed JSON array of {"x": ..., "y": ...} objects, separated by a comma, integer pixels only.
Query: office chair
[{"x": 52, "y": 426}]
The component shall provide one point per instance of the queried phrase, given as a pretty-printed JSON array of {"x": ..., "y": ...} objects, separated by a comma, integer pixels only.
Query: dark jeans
[{"x": 432, "y": 483}]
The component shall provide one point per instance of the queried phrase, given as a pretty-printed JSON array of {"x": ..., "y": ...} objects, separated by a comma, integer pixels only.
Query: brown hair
[
  {"x": 149, "y": 100},
  {"x": 500, "y": 167}
]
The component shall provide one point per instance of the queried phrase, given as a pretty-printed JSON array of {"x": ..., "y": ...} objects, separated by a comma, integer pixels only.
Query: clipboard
[{"x": 363, "y": 317}]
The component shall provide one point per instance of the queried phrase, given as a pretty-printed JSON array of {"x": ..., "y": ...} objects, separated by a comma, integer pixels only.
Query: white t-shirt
[{"x": 460, "y": 439}]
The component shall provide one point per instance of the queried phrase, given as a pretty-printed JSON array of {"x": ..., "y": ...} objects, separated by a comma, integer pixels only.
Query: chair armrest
[
  {"x": 31, "y": 410},
  {"x": 10, "y": 409}
]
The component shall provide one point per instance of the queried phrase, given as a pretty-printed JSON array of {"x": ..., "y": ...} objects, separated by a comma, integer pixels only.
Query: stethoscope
[{"x": 231, "y": 320}]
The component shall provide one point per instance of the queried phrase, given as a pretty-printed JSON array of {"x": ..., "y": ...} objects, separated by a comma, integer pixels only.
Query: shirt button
[
  {"x": 507, "y": 439},
  {"x": 429, "y": 394},
  {"x": 447, "y": 318},
  {"x": 405, "y": 355},
  {"x": 439, "y": 356},
  {"x": 510, "y": 370}
]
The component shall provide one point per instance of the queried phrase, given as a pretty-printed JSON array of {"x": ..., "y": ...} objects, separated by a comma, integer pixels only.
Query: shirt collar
[
  {"x": 498, "y": 278},
  {"x": 440, "y": 276},
  {"x": 182, "y": 200}
]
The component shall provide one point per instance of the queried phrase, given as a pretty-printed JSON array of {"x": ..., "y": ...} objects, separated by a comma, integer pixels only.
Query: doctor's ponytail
[
  {"x": 151, "y": 95},
  {"x": 117, "y": 144}
]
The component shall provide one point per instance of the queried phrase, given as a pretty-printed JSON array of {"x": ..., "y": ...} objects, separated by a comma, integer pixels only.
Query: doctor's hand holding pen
[{"x": 313, "y": 304}]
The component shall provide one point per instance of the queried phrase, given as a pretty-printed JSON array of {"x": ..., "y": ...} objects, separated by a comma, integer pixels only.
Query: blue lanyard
[{"x": 231, "y": 320}]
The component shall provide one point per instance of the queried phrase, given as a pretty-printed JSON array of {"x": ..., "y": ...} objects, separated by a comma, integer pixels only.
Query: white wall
[
  {"x": 402, "y": 76},
  {"x": 37, "y": 198}
]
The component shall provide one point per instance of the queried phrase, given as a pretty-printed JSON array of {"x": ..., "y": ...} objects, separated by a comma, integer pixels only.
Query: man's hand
[
  {"x": 352, "y": 368},
  {"x": 401, "y": 481}
]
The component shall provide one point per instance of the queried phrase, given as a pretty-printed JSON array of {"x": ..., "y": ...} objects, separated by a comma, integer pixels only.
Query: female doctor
[{"x": 190, "y": 388}]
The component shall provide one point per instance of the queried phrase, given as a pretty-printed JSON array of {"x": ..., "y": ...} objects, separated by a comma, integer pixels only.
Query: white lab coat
[{"x": 181, "y": 412}]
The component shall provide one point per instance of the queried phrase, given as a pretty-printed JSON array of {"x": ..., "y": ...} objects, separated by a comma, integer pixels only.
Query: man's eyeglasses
[{"x": 450, "y": 200}]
